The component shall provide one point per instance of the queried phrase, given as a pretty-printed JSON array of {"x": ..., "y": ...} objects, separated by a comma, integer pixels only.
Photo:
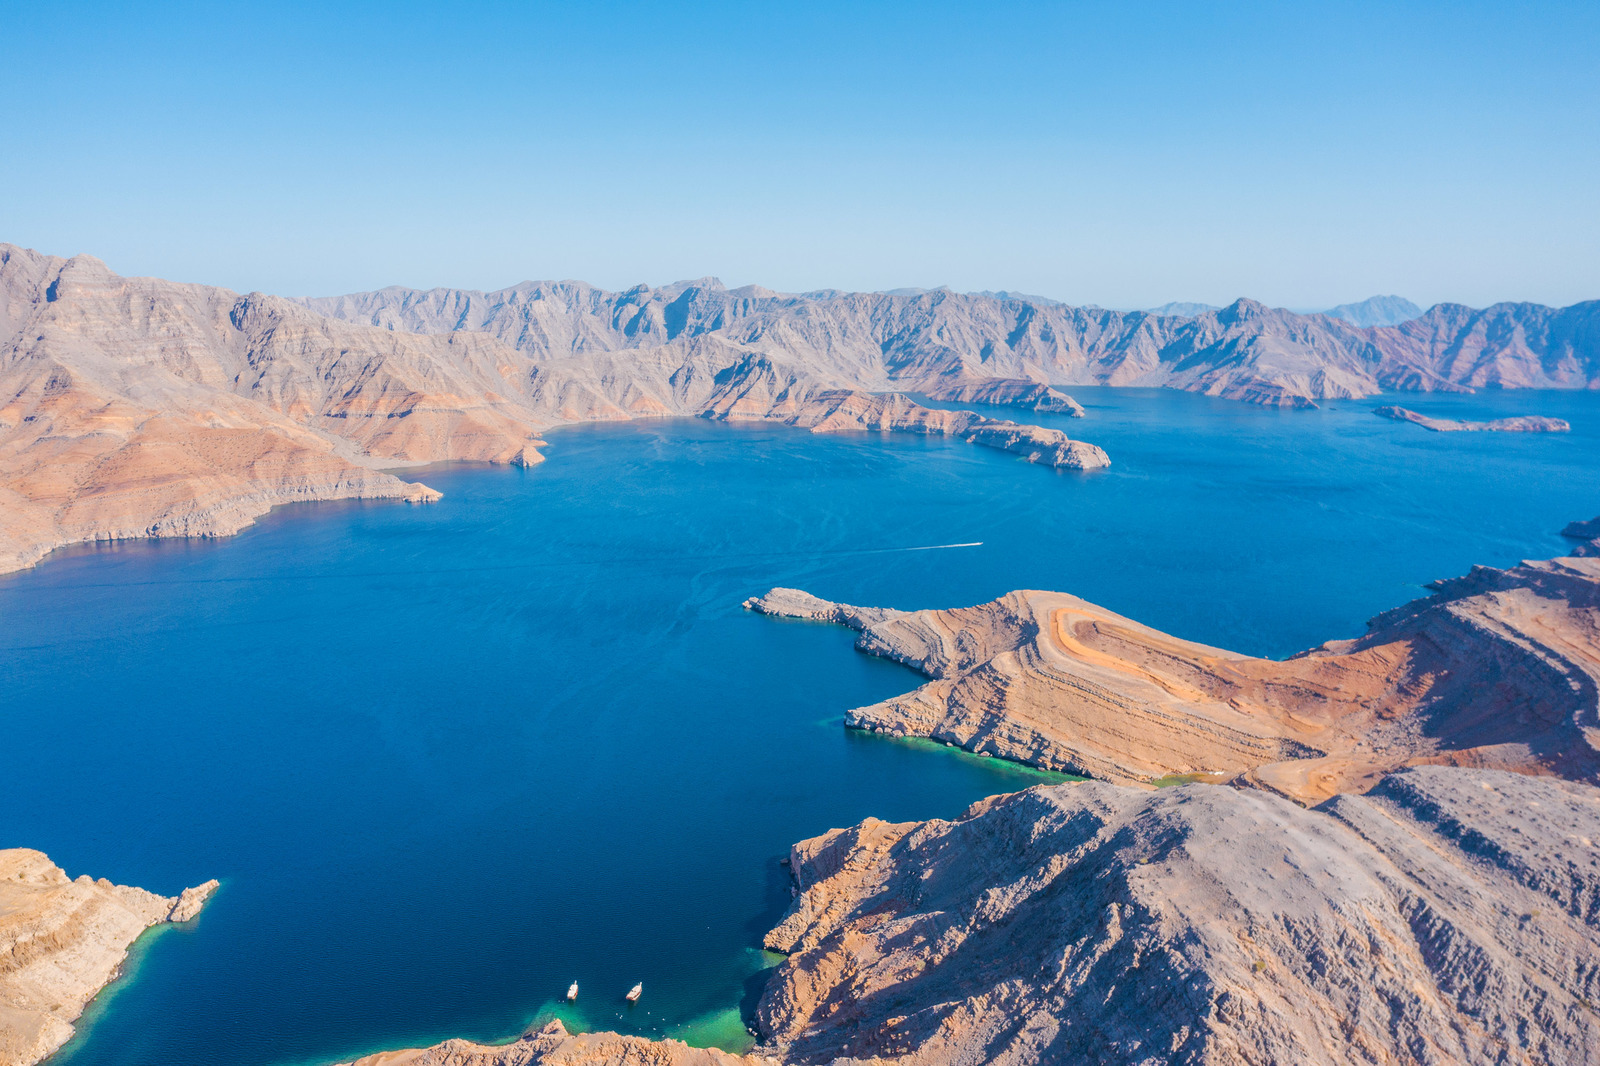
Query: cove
[{"x": 447, "y": 759}]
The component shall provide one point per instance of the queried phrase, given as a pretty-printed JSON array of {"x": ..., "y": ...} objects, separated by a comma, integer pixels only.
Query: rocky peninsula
[
  {"x": 1519, "y": 424},
  {"x": 1381, "y": 850},
  {"x": 1497, "y": 669},
  {"x": 61, "y": 942}
]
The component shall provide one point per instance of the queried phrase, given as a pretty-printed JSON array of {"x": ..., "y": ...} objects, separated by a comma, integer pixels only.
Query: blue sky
[{"x": 1124, "y": 154}]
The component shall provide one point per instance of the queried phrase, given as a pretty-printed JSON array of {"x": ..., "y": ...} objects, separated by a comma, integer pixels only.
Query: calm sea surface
[{"x": 448, "y": 759}]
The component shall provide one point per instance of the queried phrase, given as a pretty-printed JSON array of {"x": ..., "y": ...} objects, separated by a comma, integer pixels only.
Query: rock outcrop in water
[
  {"x": 1497, "y": 669},
  {"x": 134, "y": 407},
  {"x": 1519, "y": 424},
  {"x": 61, "y": 942}
]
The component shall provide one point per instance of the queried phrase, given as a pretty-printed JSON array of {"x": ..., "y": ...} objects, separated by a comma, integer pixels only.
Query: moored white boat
[
  {"x": 572, "y": 992},
  {"x": 635, "y": 991}
]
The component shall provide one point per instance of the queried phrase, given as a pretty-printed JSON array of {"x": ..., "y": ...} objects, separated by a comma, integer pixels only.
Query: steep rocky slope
[
  {"x": 1498, "y": 669},
  {"x": 61, "y": 942},
  {"x": 1432, "y": 907},
  {"x": 924, "y": 341},
  {"x": 1448, "y": 915},
  {"x": 135, "y": 407}
]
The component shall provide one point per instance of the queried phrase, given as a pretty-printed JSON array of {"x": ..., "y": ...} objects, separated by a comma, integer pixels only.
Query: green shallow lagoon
[{"x": 449, "y": 759}]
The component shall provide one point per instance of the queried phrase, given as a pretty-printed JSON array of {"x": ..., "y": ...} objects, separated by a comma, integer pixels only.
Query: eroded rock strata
[
  {"x": 1497, "y": 669},
  {"x": 61, "y": 942},
  {"x": 1518, "y": 424}
]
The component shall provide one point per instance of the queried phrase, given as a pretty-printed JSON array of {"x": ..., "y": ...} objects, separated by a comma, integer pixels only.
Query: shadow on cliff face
[{"x": 775, "y": 902}]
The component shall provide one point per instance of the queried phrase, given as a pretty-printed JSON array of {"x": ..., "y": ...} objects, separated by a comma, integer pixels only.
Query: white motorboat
[
  {"x": 635, "y": 991},
  {"x": 572, "y": 992}
]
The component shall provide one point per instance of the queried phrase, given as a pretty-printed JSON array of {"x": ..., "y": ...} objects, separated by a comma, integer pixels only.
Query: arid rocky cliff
[
  {"x": 61, "y": 942},
  {"x": 1499, "y": 668},
  {"x": 1396, "y": 860}
]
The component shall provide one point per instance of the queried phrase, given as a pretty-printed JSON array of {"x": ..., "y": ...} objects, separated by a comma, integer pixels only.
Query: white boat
[
  {"x": 633, "y": 993},
  {"x": 572, "y": 992}
]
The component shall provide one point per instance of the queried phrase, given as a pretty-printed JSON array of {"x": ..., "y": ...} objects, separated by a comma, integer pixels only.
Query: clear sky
[{"x": 1124, "y": 154}]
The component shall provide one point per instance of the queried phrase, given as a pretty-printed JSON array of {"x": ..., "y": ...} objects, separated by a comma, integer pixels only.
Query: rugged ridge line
[
  {"x": 931, "y": 341},
  {"x": 1448, "y": 915}
]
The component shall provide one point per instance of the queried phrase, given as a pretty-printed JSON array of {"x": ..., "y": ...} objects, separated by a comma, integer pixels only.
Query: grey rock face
[
  {"x": 917, "y": 340},
  {"x": 1448, "y": 916}
]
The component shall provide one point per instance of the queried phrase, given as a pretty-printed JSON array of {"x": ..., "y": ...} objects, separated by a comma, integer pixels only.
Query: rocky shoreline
[
  {"x": 61, "y": 942},
  {"x": 1402, "y": 866}
]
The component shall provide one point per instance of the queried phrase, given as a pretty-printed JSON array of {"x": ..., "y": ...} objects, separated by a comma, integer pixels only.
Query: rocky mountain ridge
[{"x": 917, "y": 340}]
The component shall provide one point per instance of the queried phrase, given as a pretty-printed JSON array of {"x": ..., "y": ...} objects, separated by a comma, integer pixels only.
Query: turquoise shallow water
[{"x": 447, "y": 759}]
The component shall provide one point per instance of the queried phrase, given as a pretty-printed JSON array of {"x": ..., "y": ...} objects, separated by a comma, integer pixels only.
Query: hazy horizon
[{"x": 1117, "y": 155}]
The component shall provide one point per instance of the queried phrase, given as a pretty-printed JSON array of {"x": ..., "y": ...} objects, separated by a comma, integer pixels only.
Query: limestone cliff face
[
  {"x": 61, "y": 942},
  {"x": 1446, "y": 916},
  {"x": 133, "y": 407},
  {"x": 1497, "y": 669}
]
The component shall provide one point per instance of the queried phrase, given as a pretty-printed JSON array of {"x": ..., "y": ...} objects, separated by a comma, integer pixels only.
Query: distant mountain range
[
  {"x": 1377, "y": 311},
  {"x": 1373, "y": 311},
  {"x": 140, "y": 407}
]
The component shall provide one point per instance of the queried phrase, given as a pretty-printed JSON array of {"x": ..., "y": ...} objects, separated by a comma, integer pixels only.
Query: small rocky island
[
  {"x": 61, "y": 942},
  {"x": 1519, "y": 424}
]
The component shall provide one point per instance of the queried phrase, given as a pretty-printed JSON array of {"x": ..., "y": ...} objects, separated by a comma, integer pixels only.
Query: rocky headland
[
  {"x": 61, "y": 942},
  {"x": 1497, "y": 669},
  {"x": 1383, "y": 850},
  {"x": 1518, "y": 424}
]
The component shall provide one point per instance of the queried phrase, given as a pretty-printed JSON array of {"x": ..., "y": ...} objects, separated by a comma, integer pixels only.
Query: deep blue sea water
[{"x": 447, "y": 759}]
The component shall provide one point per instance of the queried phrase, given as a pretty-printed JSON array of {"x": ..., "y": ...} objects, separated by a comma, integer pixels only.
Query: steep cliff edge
[
  {"x": 61, "y": 942},
  {"x": 1497, "y": 669}
]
